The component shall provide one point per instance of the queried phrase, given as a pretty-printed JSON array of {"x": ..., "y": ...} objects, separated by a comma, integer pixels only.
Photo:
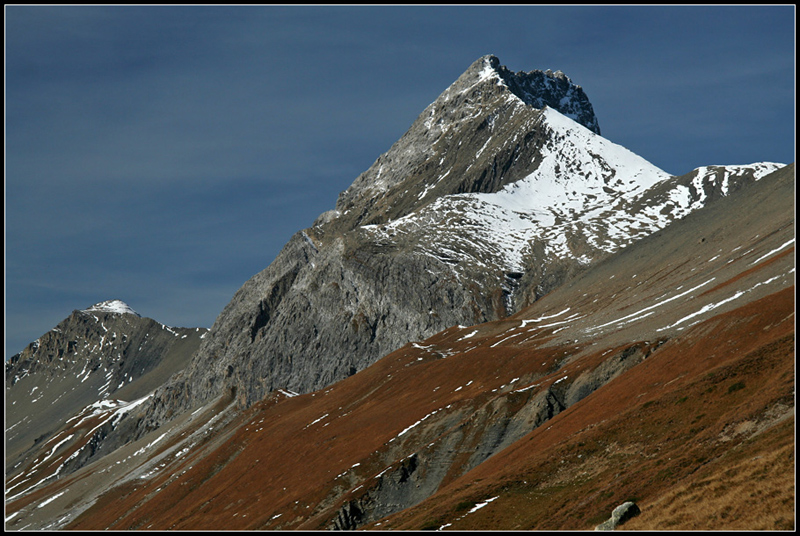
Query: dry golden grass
[{"x": 756, "y": 492}]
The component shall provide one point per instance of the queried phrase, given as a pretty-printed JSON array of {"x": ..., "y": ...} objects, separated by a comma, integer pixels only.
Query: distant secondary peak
[
  {"x": 538, "y": 89},
  {"x": 111, "y": 306}
]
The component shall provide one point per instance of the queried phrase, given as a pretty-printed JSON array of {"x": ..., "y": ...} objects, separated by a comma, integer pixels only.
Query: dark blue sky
[{"x": 164, "y": 155}]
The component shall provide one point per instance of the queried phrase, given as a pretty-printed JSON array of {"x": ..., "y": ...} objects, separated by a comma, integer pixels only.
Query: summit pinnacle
[
  {"x": 479, "y": 135},
  {"x": 539, "y": 89}
]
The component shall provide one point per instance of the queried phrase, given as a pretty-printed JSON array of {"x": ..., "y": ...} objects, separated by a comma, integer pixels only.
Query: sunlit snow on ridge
[
  {"x": 585, "y": 185},
  {"x": 585, "y": 197},
  {"x": 111, "y": 306},
  {"x": 582, "y": 180}
]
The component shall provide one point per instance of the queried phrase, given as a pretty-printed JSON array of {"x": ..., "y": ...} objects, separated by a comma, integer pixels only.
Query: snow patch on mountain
[
  {"x": 687, "y": 198},
  {"x": 582, "y": 187},
  {"x": 582, "y": 181},
  {"x": 111, "y": 306},
  {"x": 587, "y": 197}
]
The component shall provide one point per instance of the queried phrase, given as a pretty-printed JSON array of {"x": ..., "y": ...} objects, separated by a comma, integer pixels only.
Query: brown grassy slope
[
  {"x": 638, "y": 437},
  {"x": 679, "y": 433},
  {"x": 287, "y": 455},
  {"x": 754, "y": 489}
]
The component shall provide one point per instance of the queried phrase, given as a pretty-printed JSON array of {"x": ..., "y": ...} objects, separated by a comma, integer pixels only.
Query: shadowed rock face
[{"x": 546, "y": 88}]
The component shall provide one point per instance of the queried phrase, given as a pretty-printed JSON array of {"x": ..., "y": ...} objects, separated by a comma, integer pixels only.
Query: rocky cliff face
[{"x": 348, "y": 290}]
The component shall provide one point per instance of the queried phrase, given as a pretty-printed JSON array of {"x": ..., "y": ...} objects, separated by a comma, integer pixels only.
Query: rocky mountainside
[
  {"x": 102, "y": 353},
  {"x": 499, "y": 190},
  {"x": 499, "y": 264},
  {"x": 663, "y": 374},
  {"x": 283, "y": 329}
]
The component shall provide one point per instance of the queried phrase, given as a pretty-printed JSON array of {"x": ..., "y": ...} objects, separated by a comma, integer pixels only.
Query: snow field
[{"x": 585, "y": 186}]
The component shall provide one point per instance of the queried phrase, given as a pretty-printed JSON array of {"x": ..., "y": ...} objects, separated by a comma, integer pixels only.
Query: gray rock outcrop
[{"x": 620, "y": 515}]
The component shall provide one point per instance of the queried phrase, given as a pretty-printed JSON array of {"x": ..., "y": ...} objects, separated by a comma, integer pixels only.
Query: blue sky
[{"x": 164, "y": 155}]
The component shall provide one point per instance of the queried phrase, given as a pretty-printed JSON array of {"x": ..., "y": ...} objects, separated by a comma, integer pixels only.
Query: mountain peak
[
  {"x": 538, "y": 89},
  {"x": 465, "y": 141},
  {"x": 111, "y": 306}
]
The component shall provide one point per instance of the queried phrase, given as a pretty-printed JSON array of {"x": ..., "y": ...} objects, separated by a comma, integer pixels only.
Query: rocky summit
[
  {"x": 369, "y": 276},
  {"x": 507, "y": 321}
]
